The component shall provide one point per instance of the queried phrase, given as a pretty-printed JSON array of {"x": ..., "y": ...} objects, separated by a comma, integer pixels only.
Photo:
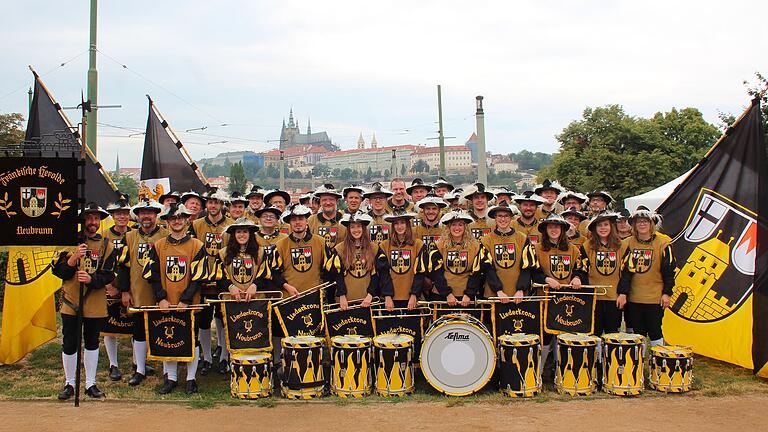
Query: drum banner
[
  {"x": 302, "y": 315},
  {"x": 118, "y": 322},
  {"x": 38, "y": 201},
  {"x": 510, "y": 318},
  {"x": 570, "y": 312},
  {"x": 170, "y": 335},
  {"x": 247, "y": 326},
  {"x": 411, "y": 326},
  {"x": 358, "y": 321}
]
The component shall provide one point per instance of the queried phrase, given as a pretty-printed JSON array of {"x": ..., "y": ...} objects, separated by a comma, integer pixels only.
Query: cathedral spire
[
  {"x": 374, "y": 144},
  {"x": 290, "y": 119},
  {"x": 309, "y": 127},
  {"x": 360, "y": 142},
  {"x": 117, "y": 163}
]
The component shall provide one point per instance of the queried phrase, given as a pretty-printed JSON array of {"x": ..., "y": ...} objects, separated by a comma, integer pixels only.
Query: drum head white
[{"x": 458, "y": 358}]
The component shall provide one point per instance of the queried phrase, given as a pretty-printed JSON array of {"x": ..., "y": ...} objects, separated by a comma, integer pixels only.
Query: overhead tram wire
[{"x": 61, "y": 65}]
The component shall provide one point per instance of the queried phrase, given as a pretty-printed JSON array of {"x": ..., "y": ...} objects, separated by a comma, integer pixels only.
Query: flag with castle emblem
[{"x": 716, "y": 218}]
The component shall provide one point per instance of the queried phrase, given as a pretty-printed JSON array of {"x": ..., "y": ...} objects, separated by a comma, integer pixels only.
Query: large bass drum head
[{"x": 458, "y": 357}]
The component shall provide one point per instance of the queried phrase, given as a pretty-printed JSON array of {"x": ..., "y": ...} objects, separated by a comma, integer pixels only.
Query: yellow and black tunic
[
  {"x": 542, "y": 212},
  {"x": 482, "y": 226},
  {"x": 531, "y": 230},
  {"x": 605, "y": 268},
  {"x": 116, "y": 240},
  {"x": 648, "y": 270},
  {"x": 561, "y": 265},
  {"x": 578, "y": 239},
  {"x": 513, "y": 257},
  {"x": 176, "y": 268},
  {"x": 408, "y": 265},
  {"x": 393, "y": 208},
  {"x": 298, "y": 262},
  {"x": 428, "y": 234},
  {"x": 134, "y": 255},
  {"x": 357, "y": 282},
  {"x": 242, "y": 272},
  {"x": 379, "y": 229},
  {"x": 267, "y": 242},
  {"x": 465, "y": 268},
  {"x": 330, "y": 229},
  {"x": 212, "y": 235},
  {"x": 99, "y": 262}
]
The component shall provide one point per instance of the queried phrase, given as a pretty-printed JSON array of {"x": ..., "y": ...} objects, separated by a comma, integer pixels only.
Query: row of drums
[{"x": 458, "y": 358}]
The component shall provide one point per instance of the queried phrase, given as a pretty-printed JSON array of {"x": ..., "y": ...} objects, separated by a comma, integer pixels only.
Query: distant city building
[
  {"x": 377, "y": 159},
  {"x": 503, "y": 163},
  {"x": 234, "y": 157},
  {"x": 134, "y": 173},
  {"x": 291, "y": 136},
  {"x": 472, "y": 144},
  {"x": 457, "y": 158},
  {"x": 296, "y": 157},
  {"x": 220, "y": 182}
]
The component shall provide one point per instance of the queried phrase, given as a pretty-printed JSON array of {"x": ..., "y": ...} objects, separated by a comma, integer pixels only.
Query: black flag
[
  {"x": 717, "y": 219},
  {"x": 48, "y": 125},
  {"x": 163, "y": 158}
]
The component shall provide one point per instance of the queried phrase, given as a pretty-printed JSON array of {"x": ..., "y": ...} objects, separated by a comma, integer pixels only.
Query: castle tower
[
  {"x": 374, "y": 144},
  {"x": 360, "y": 142}
]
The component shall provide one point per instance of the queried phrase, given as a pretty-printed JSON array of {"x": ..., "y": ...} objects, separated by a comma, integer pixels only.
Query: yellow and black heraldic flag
[
  {"x": 717, "y": 219},
  {"x": 170, "y": 335}
]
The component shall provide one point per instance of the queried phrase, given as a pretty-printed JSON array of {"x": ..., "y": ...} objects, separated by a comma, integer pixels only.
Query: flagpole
[
  {"x": 178, "y": 143},
  {"x": 93, "y": 80}
]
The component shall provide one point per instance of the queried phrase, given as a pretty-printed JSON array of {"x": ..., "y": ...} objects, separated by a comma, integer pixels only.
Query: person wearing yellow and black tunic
[
  {"x": 465, "y": 263},
  {"x": 512, "y": 255},
  {"x": 121, "y": 215},
  {"x": 479, "y": 198},
  {"x": 605, "y": 251},
  {"x": 398, "y": 203},
  {"x": 549, "y": 190},
  {"x": 379, "y": 229},
  {"x": 418, "y": 190},
  {"x": 526, "y": 222},
  {"x": 280, "y": 199},
  {"x": 210, "y": 231},
  {"x": 255, "y": 199},
  {"x": 442, "y": 186},
  {"x": 237, "y": 205},
  {"x": 177, "y": 284},
  {"x": 503, "y": 195},
  {"x": 428, "y": 229},
  {"x": 326, "y": 223},
  {"x": 570, "y": 199},
  {"x": 169, "y": 198},
  {"x": 353, "y": 198},
  {"x": 454, "y": 200},
  {"x": 194, "y": 202},
  {"x": 267, "y": 234},
  {"x": 560, "y": 263},
  {"x": 623, "y": 228},
  {"x": 92, "y": 264},
  {"x": 298, "y": 259},
  {"x": 574, "y": 217},
  {"x": 134, "y": 289},
  {"x": 408, "y": 264},
  {"x": 356, "y": 264},
  {"x": 647, "y": 277},
  {"x": 599, "y": 200}
]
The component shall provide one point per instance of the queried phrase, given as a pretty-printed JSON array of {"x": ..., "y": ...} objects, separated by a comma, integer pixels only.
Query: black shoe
[
  {"x": 67, "y": 392},
  {"x": 191, "y": 387},
  {"x": 205, "y": 367},
  {"x": 94, "y": 392},
  {"x": 167, "y": 387},
  {"x": 114, "y": 373},
  {"x": 224, "y": 367},
  {"x": 136, "y": 379},
  {"x": 217, "y": 353}
]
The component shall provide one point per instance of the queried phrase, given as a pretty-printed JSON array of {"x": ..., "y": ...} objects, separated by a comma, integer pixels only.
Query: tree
[
  {"x": 532, "y": 161},
  {"x": 127, "y": 185},
  {"x": 421, "y": 166},
  {"x": 237, "y": 178},
  {"x": 369, "y": 174},
  {"x": 608, "y": 149},
  {"x": 321, "y": 170},
  {"x": 336, "y": 173},
  {"x": 11, "y": 131},
  {"x": 403, "y": 169},
  {"x": 756, "y": 89},
  {"x": 347, "y": 173},
  {"x": 386, "y": 173},
  {"x": 272, "y": 172}
]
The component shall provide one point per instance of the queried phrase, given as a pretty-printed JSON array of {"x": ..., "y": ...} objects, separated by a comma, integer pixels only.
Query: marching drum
[
  {"x": 458, "y": 357},
  {"x": 394, "y": 364},
  {"x": 251, "y": 376},
  {"x": 671, "y": 368},
  {"x": 576, "y": 372},
  {"x": 623, "y": 364},
  {"x": 519, "y": 358},
  {"x": 302, "y": 360},
  {"x": 351, "y": 366}
]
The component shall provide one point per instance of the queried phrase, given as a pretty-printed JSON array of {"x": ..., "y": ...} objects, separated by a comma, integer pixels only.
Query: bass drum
[{"x": 458, "y": 357}]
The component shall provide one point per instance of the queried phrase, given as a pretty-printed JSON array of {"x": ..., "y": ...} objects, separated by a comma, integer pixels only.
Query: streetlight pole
[
  {"x": 282, "y": 170},
  {"x": 93, "y": 82},
  {"x": 441, "y": 137},
  {"x": 482, "y": 169}
]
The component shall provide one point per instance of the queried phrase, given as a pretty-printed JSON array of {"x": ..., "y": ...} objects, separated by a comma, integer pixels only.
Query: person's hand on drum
[
  {"x": 621, "y": 301},
  {"x": 451, "y": 300},
  {"x": 664, "y": 301},
  {"x": 290, "y": 289},
  {"x": 234, "y": 292},
  {"x": 390, "y": 304},
  {"x": 250, "y": 293},
  {"x": 343, "y": 303},
  {"x": 576, "y": 283},
  {"x": 412, "y": 300},
  {"x": 164, "y": 305},
  {"x": 465, "y": 300},
  {"x": 518, "y": 297},
  {"x": 367, "y": 300},
  {"x": 503, "y": 297},
  {"x": 553, "y": 283}
]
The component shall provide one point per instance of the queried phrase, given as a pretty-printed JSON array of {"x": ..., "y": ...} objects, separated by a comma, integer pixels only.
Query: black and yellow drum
[
  {"x": 623, "y": 364},
  {"x": 394, "y": 364},
  {"x": 671, "y": 368},
  {"x": 251, "y": 376},
  {"x": 576, "y": 372},
  {"x": 302, "y": 360},
  {"x": 351, "y": 376},
  {"x": 519, "y": 358}
]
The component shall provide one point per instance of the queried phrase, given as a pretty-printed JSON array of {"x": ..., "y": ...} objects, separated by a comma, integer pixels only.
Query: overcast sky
[{"x": 373, "y": 67}]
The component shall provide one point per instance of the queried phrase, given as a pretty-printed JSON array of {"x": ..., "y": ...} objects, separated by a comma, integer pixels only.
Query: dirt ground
[{"x": 701, "y": 414}]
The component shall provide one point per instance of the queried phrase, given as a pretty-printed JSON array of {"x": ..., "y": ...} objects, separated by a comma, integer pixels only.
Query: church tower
[{"x": 360, "y": 142}]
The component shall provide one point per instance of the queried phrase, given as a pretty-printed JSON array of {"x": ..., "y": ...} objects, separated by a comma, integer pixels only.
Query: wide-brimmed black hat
[
  {"x": 503, "y": 207},
  {"x": 530, "y": 196},
  {"x": 377, "y": 189},
  {"x": 552, "y": 218},
  {"x": 601, "y": 217},
  {"x": 94, "y": 208},
  {"x": 272, "y": 209},
  {"x": 277, "y": 192},
  {"x": 548, "y": 184},
  {"x": 418, "y": 183},
  {"x": 256, "y": 190},
  {"x": 147, "y": 204},
  {"x": 242, "y": 222},
  {"x": 441, "y": 182},
  {"x": 601, "y": 193},
  {"x": 573, "y": 211}
]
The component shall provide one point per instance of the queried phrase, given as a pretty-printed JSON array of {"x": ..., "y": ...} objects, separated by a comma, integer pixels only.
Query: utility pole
[
  {"x": 393, "y": 171},
  {"x": 482, "y": 168},
  {"x": 282, "y": 170},
  {"x": 441, "y": 137},
  {"x": 93, "y": 82}
]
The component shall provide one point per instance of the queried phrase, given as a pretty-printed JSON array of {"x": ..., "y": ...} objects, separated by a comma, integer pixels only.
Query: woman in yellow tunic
[{"x": 605, "y": 250}]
